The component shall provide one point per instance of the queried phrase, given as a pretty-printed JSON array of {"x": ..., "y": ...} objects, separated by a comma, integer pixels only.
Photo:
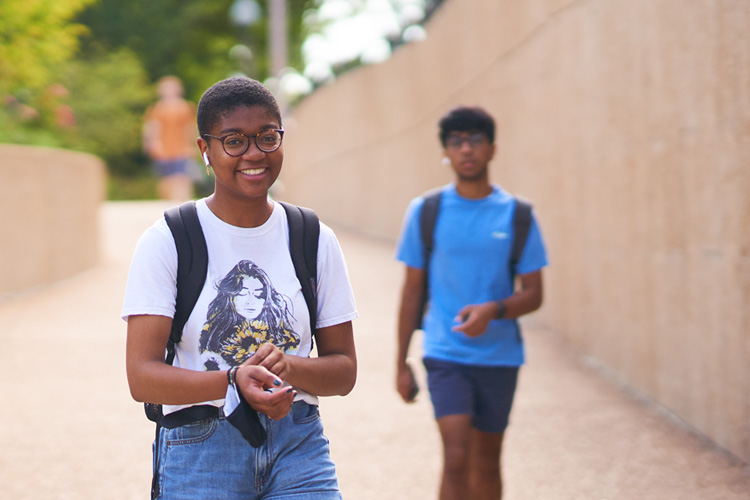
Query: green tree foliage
[
  {"x": 109, "y": 94},
  {"x": 191, "y": 39},
  {"x": 36, "y": 38},
  {"x": 168, "y": 36}
]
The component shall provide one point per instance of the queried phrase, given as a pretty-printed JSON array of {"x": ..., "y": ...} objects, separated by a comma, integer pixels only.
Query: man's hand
[
  {"x": 474, "y": 318},
  {"x": 406, "y": 383}
]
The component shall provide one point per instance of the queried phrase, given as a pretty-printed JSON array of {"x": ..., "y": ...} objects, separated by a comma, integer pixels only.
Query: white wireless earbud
[{"x": 205, "y": 158}]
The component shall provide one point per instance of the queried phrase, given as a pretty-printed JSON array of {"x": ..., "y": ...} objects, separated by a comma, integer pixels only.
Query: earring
[{"x": 208, "y": 169}]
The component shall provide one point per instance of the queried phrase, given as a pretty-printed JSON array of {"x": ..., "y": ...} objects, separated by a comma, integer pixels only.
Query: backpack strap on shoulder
[
  {"x": 304, "y": 232},
  {"x": 521, "y": 228},
  {"x": 192, "y": 265},
  {"x": 427, "y": 221}
]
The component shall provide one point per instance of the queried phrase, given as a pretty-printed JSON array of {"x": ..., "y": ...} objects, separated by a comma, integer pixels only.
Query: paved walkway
[{"x": 70, "y": 430}]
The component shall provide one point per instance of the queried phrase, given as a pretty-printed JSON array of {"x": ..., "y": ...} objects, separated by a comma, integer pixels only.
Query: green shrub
[{"x": 142, "y": 187}]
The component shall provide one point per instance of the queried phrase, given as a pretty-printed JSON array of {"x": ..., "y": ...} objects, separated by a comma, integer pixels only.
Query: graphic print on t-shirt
[{"x": 246, "y": 313}]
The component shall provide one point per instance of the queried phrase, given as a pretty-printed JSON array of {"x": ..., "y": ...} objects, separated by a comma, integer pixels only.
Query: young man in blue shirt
[{"x": 472, "y": 343}]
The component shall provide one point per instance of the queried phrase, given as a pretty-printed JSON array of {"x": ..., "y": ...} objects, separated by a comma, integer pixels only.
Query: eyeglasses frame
[
  {"x": 468, "y": 139},
  {"x": 224, "y": 137}
]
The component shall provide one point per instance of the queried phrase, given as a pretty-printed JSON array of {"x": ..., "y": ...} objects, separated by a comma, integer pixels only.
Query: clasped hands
[{"x": 260, "y": 379}]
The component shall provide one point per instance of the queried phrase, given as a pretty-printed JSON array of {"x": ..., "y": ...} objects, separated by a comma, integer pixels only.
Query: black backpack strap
[
  {"x": 427, "y": 221},
  {"x": 521, "y": 227},
  {"x": 192, "y": 265},
  {"x": 304, "y": 231}
]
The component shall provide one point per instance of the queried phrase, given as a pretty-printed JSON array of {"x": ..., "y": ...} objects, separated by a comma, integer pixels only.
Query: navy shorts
[
  {"x": 165, "y": 168},
  {"x": 483, "y": 392}
]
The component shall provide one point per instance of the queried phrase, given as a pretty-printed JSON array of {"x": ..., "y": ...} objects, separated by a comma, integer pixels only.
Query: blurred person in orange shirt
[{"x": 169, "y": 135}]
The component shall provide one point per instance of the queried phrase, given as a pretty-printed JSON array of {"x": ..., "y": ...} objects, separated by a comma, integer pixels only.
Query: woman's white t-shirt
[{"x": 251, "y": 294}]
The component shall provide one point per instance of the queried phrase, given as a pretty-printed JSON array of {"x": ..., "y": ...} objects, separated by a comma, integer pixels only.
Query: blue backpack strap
[
  {"x": 304, "y": 232},
  {"x": 427, "y": 221}
]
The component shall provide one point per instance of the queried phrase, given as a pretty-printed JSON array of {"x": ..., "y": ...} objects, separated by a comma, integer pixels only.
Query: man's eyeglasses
[
  {"x": 237, "y": 144},
  {"x": 456, "y": 141}
]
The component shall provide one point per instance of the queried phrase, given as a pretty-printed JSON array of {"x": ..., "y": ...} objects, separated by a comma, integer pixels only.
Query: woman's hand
[
  {"x": 264, "y": 391},
  {"x": 332, "y": 373},
  {"x": 272, "y": 359}
]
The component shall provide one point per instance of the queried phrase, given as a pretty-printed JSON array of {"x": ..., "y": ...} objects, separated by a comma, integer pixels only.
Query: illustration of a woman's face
[{"x": 249, "y": 302}]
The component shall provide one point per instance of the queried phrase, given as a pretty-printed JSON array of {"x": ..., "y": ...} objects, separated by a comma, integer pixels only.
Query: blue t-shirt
[{"x": 469, "y": 265}]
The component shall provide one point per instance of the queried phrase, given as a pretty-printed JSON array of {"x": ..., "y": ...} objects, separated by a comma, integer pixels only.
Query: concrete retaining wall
[
  {"x": 627, "y": 123},
  {"x": 49, "y": 224}
]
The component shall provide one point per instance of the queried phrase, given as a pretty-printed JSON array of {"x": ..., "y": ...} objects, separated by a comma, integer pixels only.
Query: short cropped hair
[
  {"x": 227, "y": 95},
  {"x": 465, "y": 119}
]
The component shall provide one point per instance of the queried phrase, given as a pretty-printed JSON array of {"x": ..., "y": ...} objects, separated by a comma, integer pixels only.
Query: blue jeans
[{"x": 211, "y": 459}]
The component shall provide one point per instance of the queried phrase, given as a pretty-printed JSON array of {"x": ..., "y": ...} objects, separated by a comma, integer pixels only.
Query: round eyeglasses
[
  {"x": 237, "y": 144},
  {"x": 457, "y": 141}
]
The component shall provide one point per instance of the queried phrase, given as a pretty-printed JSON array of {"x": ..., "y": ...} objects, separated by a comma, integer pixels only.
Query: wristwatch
[{"x": 500, "y": 309}]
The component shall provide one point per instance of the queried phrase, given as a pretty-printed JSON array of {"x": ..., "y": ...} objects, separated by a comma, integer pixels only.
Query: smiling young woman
[
  {"x": 249, "y": 336},
  {"x": 243, "y": 177}
]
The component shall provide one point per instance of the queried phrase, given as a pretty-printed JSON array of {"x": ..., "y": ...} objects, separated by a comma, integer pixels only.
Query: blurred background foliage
[{"x": 79, "y": 74}]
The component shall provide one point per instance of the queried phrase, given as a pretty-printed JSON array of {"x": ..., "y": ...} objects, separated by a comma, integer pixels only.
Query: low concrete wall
[
  {"x": 49, "y": 225},
  {"x": 627, "y": 123}
]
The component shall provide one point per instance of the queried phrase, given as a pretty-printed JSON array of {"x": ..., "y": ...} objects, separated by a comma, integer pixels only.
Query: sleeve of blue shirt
[
  {"x": 534, "y": 256},
  {"x": 409, "y": 250}
]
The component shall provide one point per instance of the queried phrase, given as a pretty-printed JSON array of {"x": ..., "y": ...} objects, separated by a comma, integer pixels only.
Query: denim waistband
[{"x": 190, "y": 415}]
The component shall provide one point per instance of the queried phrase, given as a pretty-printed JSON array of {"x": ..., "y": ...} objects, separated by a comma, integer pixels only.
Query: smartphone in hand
[{"x": 414, "y": 385}]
